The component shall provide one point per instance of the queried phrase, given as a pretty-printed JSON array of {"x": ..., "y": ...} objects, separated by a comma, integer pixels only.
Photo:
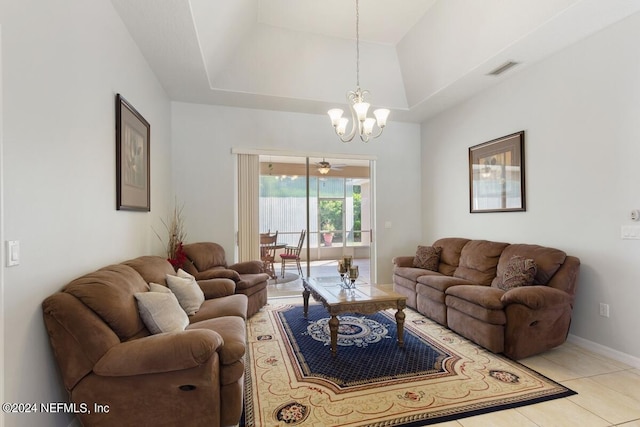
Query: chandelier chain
[{"x": 357, "y": 45}]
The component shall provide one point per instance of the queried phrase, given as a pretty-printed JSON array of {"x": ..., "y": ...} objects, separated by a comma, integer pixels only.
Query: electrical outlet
[{"x": 604, "y": 309}]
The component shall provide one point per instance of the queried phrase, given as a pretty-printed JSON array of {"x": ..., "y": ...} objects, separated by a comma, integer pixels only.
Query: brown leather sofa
[
  {"x": 465, "y": 294},
  {"x": 108, "y": 357},
  {"x": 206, "y": 260}
]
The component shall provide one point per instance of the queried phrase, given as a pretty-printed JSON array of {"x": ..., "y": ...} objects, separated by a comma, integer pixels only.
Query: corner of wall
[{"x": 605, "y": 351}]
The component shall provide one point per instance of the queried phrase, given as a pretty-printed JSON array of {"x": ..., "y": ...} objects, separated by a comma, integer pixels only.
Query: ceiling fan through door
[{"x": 324, "y": 167}]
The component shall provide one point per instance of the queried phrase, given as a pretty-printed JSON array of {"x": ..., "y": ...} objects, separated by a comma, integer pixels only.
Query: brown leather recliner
[{"x": 207, "y": 260}]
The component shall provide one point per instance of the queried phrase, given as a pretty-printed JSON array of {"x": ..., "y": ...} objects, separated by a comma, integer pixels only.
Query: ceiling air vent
[{"x": 504, "y": 67}]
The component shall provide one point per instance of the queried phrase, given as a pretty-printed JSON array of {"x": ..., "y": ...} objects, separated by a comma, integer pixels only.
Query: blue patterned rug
[
  {"x": 292, "y": 379},
  {"x": 352, "y": 366}
]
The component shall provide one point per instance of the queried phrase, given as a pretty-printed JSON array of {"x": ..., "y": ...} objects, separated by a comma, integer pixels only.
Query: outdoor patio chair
[
  {"x": 268, "y": 252},
  {"x": 292, "y": 253}
]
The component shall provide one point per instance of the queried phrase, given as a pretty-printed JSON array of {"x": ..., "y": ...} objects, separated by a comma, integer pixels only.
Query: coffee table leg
[
  {"x": 333, "y": 328},
  {"x": 400, "y": 326},
  {"x": 305, "y": 298}
]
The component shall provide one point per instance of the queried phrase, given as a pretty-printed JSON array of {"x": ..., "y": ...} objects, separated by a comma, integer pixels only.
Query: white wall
[
  {"x": 63, "y": 63},
  {"x": 580, "y": 110},
  {"x": 204, "y": 169}
]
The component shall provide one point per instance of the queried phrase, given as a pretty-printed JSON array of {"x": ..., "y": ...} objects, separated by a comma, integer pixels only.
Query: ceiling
[{"x": 417, "y": 57}]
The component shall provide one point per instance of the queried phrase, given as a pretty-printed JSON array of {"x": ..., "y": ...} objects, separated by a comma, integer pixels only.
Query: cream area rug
[{"x": 292, "y": 379}]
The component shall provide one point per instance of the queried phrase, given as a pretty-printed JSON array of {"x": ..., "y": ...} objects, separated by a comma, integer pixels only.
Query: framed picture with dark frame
[
  {"x": 496, "y": 175},
  {"x": 133, "y": 163}
]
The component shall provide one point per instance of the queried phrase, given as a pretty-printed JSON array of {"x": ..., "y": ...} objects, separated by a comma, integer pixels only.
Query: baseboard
[{"x": 605, "y": 351}]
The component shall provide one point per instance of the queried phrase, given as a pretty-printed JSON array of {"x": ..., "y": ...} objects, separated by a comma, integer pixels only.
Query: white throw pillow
[
  {"x": 189, "y": 294},
  {"x": 161, "y": 312},
  {"x": 185, "y": 275}
]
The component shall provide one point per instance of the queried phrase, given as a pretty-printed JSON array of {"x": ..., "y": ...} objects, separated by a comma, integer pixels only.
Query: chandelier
[{"x": 359, "y": 107}]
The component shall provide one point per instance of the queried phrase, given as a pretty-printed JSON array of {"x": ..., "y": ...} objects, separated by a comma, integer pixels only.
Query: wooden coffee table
[{"x": 363, "y": 299}]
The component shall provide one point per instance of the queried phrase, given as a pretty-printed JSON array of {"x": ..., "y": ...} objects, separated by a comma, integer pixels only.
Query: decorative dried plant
[{"x": 177, "y": 235}]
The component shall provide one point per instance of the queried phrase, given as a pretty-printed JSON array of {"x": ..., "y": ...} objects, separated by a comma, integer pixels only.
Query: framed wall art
[
  {"x": 132, "y": 158},
  {"x": 496, "y": 175}
]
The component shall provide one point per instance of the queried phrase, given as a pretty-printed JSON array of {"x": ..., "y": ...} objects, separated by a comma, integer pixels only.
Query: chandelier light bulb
[
  {"x": 342, "y": 126},
  {"x": 335, "y": 114},
  {"x": 381, "y": 116},
  {"x": 361, "y": 109},
  {"x": 367, "y": 127}
]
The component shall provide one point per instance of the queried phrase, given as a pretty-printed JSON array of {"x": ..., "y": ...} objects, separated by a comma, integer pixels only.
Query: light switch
[
  {"x": 12, "y": 252},
  {"x": 387, "y": 224}
]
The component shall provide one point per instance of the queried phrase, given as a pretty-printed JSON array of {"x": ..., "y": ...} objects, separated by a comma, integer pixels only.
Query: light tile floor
[
  {"x": 608, "y": 393},
  {"x": 608, "y": 390}
]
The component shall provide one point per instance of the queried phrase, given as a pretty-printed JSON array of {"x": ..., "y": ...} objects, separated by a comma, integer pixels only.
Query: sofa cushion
[
  {"x": 160, "y": 310},
  {"x": 518, "y": 272},
  {"x": 479, "y": 261},
  {"x": 450, "y": 255},
  {"x": 479, "y": 302},
  {"x": 486, "y": 315},
  {"x": 548, "y": 261},
  {"x": 441, "y": 282},
  {"x": 109, "y": 293},
  {"x": 427, "y": 257},
  {"x": 232, "y": 305},
  {"x": 432, "y": 294},
  {"x": 412, "y": 273},
  {"x": 486, "y": 297},
  {"x": 186, "y": 289}
]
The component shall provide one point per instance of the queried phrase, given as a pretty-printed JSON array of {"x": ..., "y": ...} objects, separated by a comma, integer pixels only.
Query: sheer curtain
[{"x": 248, "y": 207}]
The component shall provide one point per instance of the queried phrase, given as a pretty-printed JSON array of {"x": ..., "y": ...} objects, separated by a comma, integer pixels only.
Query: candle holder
[
  {"x": 348, "y": 278},
  {"x": 353, "y": 275},
  {"x": 342, "y": 269}
]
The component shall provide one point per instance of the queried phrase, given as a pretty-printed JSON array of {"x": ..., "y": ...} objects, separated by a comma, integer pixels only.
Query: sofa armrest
[
  {"x": 217, "y": 288},
  {"x": 218, "y": 273},
  {"x": 248, "y": 267},
  {"x": 403, "y": 261},
  {"x": 536, "y": 297},
  {"x": 159, "y": 353}
]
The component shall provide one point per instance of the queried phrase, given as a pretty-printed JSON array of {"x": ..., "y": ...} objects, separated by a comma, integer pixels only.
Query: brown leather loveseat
[
  {"x": 190, "y": 375},
  {"x": 515, "y": 299}
]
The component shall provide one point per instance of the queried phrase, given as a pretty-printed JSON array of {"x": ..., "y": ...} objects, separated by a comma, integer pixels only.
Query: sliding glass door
[{"x": 334, "y": 205}]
